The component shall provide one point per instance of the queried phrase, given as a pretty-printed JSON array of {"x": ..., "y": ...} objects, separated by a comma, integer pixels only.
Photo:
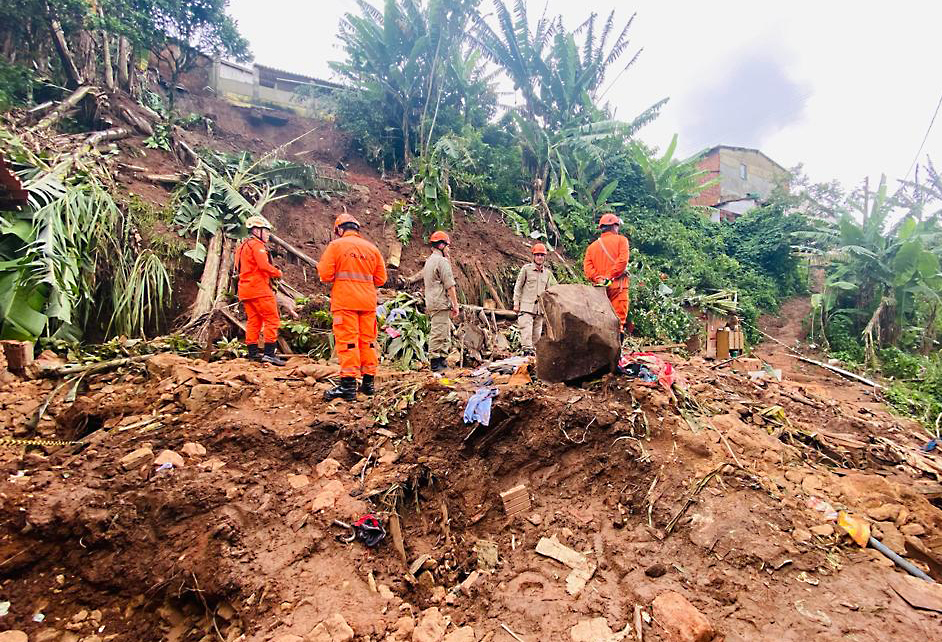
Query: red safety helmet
[
  {"x": 609, "y": 219},
  {"x": 345, "y": 218},
  {"x": 539, "y": 248},
  {"x": 439, "y": 237}
]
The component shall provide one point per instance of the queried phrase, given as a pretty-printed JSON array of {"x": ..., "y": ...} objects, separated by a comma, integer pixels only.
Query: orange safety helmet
[
  {"x": 609, "y": 219},
  {"x": 439, "y": 237},
  {"x": 539, "y": 248},
  {"x": 345, "y": 218}
]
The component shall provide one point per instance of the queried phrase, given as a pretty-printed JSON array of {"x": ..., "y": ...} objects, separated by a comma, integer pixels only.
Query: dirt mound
[{"x": 641, "y": 493}]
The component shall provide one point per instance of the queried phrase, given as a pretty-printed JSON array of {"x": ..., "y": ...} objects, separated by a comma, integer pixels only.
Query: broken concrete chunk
[
  {"x": 169, "y": 457},
  {"x": 468, "y": 584},
  {"x": 913, "y": 530},
  {"x": 487, "y": 554},
  {"x": 212, "y": 464},
  {"x": 333, "y": 629},
  {"x": 582, "y": 568},
  {"x": 550, "y": 547},
  {"x": 884, "y": 513},
  {"x": 327, "y": 468},
  {"x": 681, "y": 619},
  {"x": 431, "y": 627},
  {"x": 328, "y": 496},
  {"x": 298, "y": 481},
  {"x": 136, "y": 458},
  {"x": 594, "y": 630},
  {"x": 464, "y": 634},
  {"x": 193, "y": 449}
]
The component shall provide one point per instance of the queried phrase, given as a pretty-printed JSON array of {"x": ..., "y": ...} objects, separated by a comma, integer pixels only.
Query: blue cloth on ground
[{"x": 479, "y": 406}]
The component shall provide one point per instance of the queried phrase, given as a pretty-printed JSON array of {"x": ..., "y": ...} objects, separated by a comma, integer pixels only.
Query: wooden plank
[
  {"x": 395, "y": 529},
  {"x": 550, "y": 547}
]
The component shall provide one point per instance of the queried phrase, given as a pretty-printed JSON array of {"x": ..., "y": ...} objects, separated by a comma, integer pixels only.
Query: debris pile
[{"x": 207, "y": 501}]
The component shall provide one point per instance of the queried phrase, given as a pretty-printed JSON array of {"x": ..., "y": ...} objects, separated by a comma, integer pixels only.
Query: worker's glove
[{"x": 603, "y": 283}]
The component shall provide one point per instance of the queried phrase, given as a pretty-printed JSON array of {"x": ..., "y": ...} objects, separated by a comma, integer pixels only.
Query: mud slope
[
  {"x": 483, "y": 246},
  {"x": 702, "y": 495}
]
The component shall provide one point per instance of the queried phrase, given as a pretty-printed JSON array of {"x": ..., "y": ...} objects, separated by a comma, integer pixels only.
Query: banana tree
[{"x": 669, "y": 183}]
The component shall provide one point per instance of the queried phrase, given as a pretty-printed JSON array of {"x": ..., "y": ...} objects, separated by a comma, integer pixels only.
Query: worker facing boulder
[{"x": 581, "y": 333}]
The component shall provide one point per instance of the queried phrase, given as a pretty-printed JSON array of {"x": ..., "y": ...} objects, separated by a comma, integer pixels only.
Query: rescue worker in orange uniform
[
  {"x": 355, "y": 268},
  {"x": 256, "y": 271},
  {"x": 606, "y": 263}
]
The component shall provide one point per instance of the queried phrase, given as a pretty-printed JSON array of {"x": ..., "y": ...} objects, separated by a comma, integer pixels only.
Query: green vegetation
[{"x": 73, "y": 257}]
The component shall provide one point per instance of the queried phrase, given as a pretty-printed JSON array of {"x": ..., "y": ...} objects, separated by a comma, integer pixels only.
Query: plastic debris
[
  {"x": 818, "y": 504},
  {"x": 4, "y": 608}
]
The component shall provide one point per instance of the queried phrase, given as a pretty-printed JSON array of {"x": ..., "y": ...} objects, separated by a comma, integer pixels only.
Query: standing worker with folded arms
[
  {"x": 256, "y": 272},
  {"x": 355, "y": 268},
  {"x": 606, "y": 263},
  {"x": 532, "y": 281}
]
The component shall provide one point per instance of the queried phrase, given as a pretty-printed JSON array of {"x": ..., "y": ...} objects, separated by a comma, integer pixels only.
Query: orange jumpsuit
[
  {"x": 255, "y": 274},
  {"x": 607, "y": 258},
  {"x": 355, "y": 268}
]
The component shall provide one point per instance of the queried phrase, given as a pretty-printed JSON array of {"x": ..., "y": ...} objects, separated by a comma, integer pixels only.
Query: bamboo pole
[
  {"x": 294, "y": 251},
  {"x": 843, "y": 373}
]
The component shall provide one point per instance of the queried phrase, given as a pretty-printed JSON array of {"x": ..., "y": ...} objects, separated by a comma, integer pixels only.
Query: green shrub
[{"x": 16, "y": 86}]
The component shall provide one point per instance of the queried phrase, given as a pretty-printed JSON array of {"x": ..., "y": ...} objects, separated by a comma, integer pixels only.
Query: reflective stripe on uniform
[{"x": 353, "y": 276}]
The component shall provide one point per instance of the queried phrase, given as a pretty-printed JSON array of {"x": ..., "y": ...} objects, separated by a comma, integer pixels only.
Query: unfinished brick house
[{"x": 746, "y": 178}]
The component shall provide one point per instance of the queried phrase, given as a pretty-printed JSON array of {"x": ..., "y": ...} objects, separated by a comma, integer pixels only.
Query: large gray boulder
[{"x": 580, "y": 335}]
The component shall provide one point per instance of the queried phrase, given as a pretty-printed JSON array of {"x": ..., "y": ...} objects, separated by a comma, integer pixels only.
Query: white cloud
[{"x": 866, "y": 73}]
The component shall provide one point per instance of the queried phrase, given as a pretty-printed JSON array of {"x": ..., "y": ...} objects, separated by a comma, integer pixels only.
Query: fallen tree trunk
[
  {"x": 62, "y": 48},
  {"x": 108, "y": 135},
  {"x": 69, "y": 103},
  {"x": 298, "y": 254},
  {"x": 843, "y": 373},
  {"x": 137, "y": 122},
  {"x": 92, "y": 368},
  {"x": 206, "y": 296},
  {"x": 503, "y": 314}
]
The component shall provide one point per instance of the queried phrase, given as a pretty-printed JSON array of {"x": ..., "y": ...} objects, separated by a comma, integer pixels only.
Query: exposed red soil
[
  {"x": 227, "y": 537},
  {"x": 483, "y": 246}
]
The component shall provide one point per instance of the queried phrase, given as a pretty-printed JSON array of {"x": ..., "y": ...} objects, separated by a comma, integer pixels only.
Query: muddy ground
[{"x": 235, "y": 539}]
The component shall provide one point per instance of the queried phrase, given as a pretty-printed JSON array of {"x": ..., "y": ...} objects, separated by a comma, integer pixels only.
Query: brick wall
[{"x": 711, "y": 165}]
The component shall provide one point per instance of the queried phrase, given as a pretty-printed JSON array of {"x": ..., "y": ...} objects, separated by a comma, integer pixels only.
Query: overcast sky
[{"x": 847, "y": 88}]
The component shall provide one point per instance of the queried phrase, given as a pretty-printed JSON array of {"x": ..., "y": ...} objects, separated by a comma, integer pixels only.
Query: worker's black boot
[
  {"x": 347, "y": 390},
  {"x": 269, "y": 356},
  {"x": 253, "y": 352},
  {"x": 367, "y": 386},
  {"x": 438, "y": 364}
]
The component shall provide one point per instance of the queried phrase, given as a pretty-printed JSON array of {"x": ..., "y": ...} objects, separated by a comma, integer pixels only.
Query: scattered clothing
[
  {"x": 933, "y": 444},
  {"x": 369, "y": 530},
  {"x": 649, "y": 369},
  {"x": 479, "y": 406}
]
